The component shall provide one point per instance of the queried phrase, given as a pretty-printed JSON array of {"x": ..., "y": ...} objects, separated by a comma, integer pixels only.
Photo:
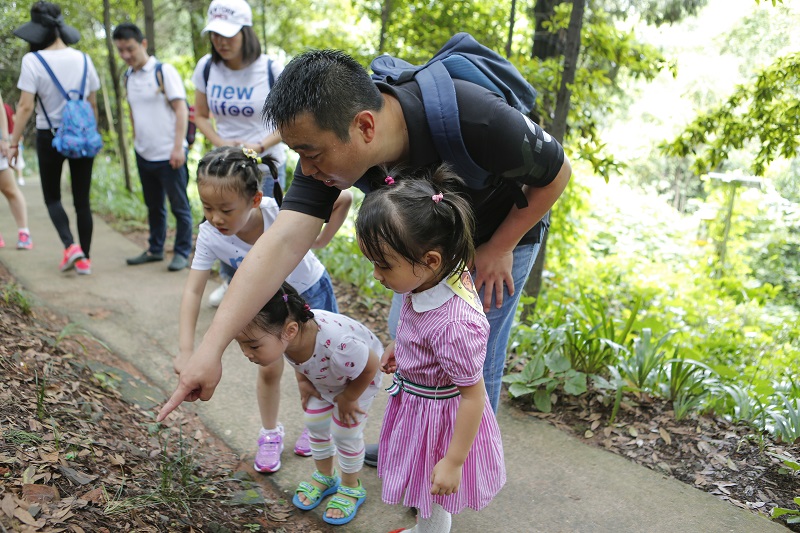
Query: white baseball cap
[{"x": 226, "y": 17}]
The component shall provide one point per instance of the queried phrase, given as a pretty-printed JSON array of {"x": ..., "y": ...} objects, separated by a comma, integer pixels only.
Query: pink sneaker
[
  {"x": 83, "y": 266},
  {"x": 270, "y": 447},
  {"x": 303, "y": 447},
  {"x": 71, "y": 255},
  {"x": 24, "y": 241},
  {"x": 2, "y": 242}
]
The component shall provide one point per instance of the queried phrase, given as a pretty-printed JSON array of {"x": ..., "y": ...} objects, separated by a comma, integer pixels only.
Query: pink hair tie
[
  {"x": 389, "y": 180},
  {"x": 306, "y": 308},
  {"x": 285, "y": 298},
  {"x": 437, "y": 197}
]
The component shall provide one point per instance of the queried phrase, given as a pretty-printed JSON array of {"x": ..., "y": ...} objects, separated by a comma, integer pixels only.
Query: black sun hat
[{"x": 44, "y": 18}]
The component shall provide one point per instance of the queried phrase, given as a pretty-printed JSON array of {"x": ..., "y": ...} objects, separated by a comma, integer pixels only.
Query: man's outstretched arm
[{"x": 273, "y": 257}]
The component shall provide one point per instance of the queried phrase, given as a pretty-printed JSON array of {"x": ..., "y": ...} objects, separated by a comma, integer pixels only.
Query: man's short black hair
[
  {"x": 329, "y": 84},
  {"x": 127, "y": 30}
]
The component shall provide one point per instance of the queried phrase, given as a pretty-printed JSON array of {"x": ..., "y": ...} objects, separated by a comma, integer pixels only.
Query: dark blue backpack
[
  {"x": 77, "y": 137},
  {"x": 462, "y": 58}
]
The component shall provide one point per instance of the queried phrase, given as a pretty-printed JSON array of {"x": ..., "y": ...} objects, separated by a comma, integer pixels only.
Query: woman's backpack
[{"x": 77, "y": 137}]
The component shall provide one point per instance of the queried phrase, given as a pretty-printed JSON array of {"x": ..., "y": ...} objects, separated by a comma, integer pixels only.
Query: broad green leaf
[
  {"x": 575, "y": 384},
  {"x": 557, "y": 362},
  {"x": 518, "y": 389},
  {"x": 542, "y": 401}
]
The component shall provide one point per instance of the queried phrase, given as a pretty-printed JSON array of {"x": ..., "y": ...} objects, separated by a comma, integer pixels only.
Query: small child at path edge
[
  {"x": 339, "y": 356},
  {"x": 440, "y": 446}
]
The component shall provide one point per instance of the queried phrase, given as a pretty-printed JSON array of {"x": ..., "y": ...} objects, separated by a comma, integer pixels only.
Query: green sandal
[
  {"x": 314, "y": 493},
  {"x": 346, "y": 506}
]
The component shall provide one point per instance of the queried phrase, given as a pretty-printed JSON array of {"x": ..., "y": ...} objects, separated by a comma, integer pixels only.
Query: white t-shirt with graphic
[
  {"x": 235, "y": 99},
  {"x": 341, "y": 352},
  {"x": 67, "y": 65},
  {"x": 153, "y": 116},
  {"x": 230, "y": 249}
]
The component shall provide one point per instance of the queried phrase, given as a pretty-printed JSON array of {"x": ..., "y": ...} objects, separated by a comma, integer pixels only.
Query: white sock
[
  {"x": 26, "y": 230},
  {"x": 276, "y": 429},
  {"x": 440, "y": 521}
]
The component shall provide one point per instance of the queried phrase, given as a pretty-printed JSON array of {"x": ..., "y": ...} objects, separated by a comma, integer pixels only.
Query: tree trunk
[
  {"x": 511, "y": 19},
  {"x": 119, "y": 124},
  {"x": 386, "y": 11},
  {"x": 545, "y": 43},
  {"x": 264, "y": 22},
  {"x": 534, "y": 284},
  {"x": 150, "y": 26},
  {"x": 196, "y": 21},
  {"x": 559, "y": 127},
  {"x": 573, "y": 47}
]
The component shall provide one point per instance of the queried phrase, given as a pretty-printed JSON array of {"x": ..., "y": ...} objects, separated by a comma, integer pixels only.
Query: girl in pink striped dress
[{"x": 440, "y": 446}]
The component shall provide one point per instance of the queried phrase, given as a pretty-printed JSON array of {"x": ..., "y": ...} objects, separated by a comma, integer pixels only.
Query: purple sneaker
[
  {"x": 270, "y": 446},
  {"x": 303, "y": 447}
]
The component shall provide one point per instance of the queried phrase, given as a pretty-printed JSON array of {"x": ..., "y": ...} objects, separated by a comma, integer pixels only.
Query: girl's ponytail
[
  {"x": 285, "y": 305},
  {"x": 414, "y": 212}
]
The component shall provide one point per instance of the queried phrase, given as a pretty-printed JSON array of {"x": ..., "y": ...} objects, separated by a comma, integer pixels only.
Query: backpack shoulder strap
[
  {"x": 159, "y": 72},
  {"x": 206, "y": 72},
  {"x": 441, "y": 110},
  {"x": 270, "y": 74},
  {"x": 52, "y": 76},
  {"x": 85, "y": 74}
]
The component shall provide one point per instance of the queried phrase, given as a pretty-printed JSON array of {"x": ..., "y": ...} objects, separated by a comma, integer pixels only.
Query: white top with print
[
  {"x": 235, "y": 99},
  {"x": 340, "y": 355}
]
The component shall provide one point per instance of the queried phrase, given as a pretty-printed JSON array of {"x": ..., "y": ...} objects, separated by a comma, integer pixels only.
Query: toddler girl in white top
[
  {"x": 228, "y": 181},
  {"x": 339, "y": 356}
]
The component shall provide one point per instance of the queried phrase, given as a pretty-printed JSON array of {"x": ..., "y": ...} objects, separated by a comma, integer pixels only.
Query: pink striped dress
[{"x": 441, "y": 341}]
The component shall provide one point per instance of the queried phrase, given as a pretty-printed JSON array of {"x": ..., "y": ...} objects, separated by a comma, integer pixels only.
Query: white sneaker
[{"x": 215, "y": 298}]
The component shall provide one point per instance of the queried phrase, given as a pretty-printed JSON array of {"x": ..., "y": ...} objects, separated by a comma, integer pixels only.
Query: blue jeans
[
  {"x": 500, "y": 321},
  {"x": 320, "y": 295},
  {"x": 160, "y": 181}
]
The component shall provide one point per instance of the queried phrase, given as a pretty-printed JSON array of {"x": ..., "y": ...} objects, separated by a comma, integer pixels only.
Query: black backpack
[{"x": 462, "y": 58}]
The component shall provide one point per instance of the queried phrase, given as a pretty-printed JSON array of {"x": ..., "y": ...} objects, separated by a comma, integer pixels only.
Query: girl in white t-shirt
[
  {"x": 237, "y": 213},
  {"x": 339, "y": 357}
]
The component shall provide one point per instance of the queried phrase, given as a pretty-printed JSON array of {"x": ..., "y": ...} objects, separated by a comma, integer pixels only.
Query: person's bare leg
[
  {"x": 16, "y": 201},
  {"x": 268, "y": 391}
]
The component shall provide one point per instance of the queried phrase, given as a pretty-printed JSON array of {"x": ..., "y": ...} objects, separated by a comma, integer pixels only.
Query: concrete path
[{"x": 555, "y": 483}]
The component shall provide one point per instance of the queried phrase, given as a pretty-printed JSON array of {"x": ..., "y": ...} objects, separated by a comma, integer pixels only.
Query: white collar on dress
[{"x": 432, "y": 298}]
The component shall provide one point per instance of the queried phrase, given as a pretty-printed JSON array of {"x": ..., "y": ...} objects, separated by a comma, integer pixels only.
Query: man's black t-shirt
[{"x": 498, "y": 137}]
